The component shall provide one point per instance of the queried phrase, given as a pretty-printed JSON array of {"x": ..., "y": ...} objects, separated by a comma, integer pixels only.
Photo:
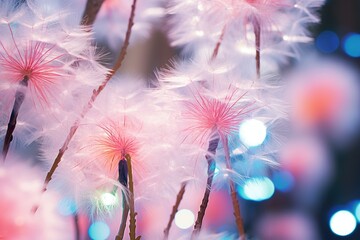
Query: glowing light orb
[
  {"x": 342, "y": 223},
  {"x": 108, "y": 199},
  {"x": 184, "y": 219},
  {"x": 257, "y": 189},
  {"x": 66, "y": 207},
  {"x": 99, "y": 231},
  {"x": 252, "y": 132},
  {"x": 357, "y": 212},
  {"x": 351, "y": 45}
]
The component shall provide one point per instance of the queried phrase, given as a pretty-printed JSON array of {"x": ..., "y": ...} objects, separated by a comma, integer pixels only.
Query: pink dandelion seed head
[
  {"x": 216, "y": 106},
  {"x": 114, "y": 143},
  {"x": 52, "y": 54},
  {"x": 40, "y": 62}
]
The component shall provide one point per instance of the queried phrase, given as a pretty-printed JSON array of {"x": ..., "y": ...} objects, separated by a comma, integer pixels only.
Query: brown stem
[
  {"x": 175, "y": 208},
  {"x": 236, "y": 207},
  {"x": 237, "y": 211},
  {"x": 123, "y": 179},
  {"x": 77, "y": 227},
  {"x": 132, "y": 225},
  {"x": 91, "y": 10},
  {"x": 124, "y": 217},
  {"x": 95, "y": 94},
  {"x": 19, "y": 99},
  {"x": 218, "y": 44},
  {"x": 257, "y": 31},
  {"x": 213, "y": 144}
]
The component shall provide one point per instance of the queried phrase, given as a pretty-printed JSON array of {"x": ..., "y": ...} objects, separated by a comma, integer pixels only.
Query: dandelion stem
[
  {"x": 132, "y": 225},
  {"x": 93, "y": 97},
  {"x": 218, "y": 44},
  {"x": 123, "y": 179},
  {"x": 124, "y": 217},
  {"x": 77, "y": 227},
  {"x": 257, "y": 31},
  {"x": 213, "y": 144},
  {"x": 175, "y": 208},
  {"x": 19, "y": 99},
  {"x": 235, "y": 203},
  {"x": 91, "y": 10},
  {"x": 183, "y": 186}
]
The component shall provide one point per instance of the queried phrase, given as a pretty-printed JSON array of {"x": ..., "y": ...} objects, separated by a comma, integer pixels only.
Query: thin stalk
[
  {"x": 19, "y": 99},
  {"x": 91, "y": 10},
  {"x": 183, "y": 186},
  {"x": 132, "y": 225},
  {"x": 257, "y": 31},
  {"x": 123, "y": 179},
  {"x": 95, "y": 94},
  {"x": 77, "y": 226},
  {"x": 235, "y": 202},
  {"x": 213, "y": 144},
  {"x": 175, "y": 208},
  {"x": 218, "y": 44}
]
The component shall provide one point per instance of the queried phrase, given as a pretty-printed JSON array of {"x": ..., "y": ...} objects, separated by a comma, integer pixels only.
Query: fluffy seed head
[
  {"x": 114, "y": 142},
  {"x": 209, "y": 113},
  {"x": 39, "y": 61}
]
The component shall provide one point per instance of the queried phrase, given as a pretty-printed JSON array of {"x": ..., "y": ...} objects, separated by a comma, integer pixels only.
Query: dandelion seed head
[
  {"x": 114, "y": 142},
  {"x": 38, "y": 61},
  {"x": 47, "y": 50},
  {"x": 206, "y": 112}
]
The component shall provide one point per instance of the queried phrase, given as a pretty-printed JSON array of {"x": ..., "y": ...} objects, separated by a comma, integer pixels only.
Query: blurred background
[{"x": 315, "y": 194}]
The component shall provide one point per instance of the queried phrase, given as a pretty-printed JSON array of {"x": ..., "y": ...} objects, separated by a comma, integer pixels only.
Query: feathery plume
[{"x": 37, "y": 61}]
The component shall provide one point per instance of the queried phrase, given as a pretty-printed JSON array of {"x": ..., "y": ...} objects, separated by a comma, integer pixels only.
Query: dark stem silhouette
[
  {"x": 257, "y": 31},
  {"x": 77, "y": 226},
  {"x": 91, "y": 10},
  {"x": 213, "y": 144},
  {"x": 19, "y": 99},
  {"x": 123, "y": 179}
]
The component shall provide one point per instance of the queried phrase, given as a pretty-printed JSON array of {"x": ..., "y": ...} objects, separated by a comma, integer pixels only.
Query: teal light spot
[{"x": 99, "y": 231}]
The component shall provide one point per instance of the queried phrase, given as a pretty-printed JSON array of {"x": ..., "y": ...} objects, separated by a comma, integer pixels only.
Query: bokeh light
[
  {"x": 184, "y": 219},
  {"x": 351, "y": 44},
  {"x": 108, "y": 199},
  {"x": 342, "y": 223},
  {"x": 67, "y": 207},
  {"x": 357, "y": 212},
  {"x": 257, "y": 189},
  {"x": 252, "y": 132},
  {"x": 327, "y": 42},
  {"x": 99, "y": 231},
  {"x": 283, "y": 181}
]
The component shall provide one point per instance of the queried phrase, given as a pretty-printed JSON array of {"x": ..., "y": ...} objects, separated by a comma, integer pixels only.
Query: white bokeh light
[
  {"x": 108, "y": 199},
  {"x": 257, "y": 189},
  {"x": 252, "y": 132},
  {"x": 184, "y": 219},
  {"x": 343, "y": 223}
]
